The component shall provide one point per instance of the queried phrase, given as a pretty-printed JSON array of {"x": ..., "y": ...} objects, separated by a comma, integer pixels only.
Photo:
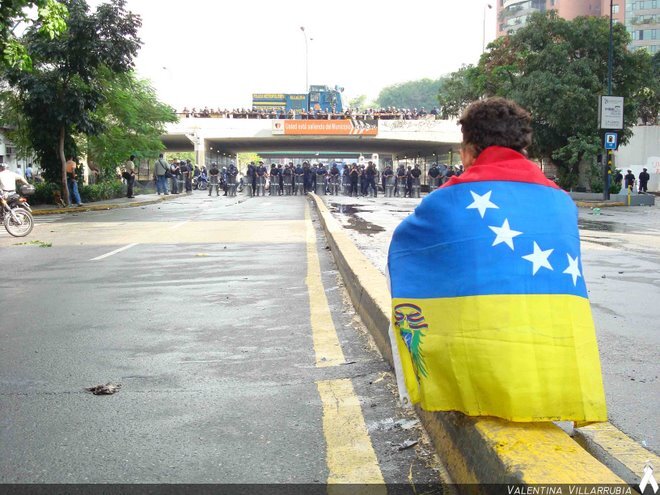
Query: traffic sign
[
  {"x": 611, "y": 112},
  {"x": 611, "y": 140}
]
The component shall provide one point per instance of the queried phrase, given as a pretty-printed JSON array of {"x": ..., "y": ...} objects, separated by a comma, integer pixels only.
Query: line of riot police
[
  {"x": 349, "y": 180},
  {"x": 225, "y": 179}
]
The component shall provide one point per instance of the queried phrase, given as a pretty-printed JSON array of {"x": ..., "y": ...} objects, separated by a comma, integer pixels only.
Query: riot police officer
[
  {"x": 415, "y": 184},
  {"x": 334, "y": 179},
  {"x": 388, "y": 181},
  {"x": 433, "y": 175},
  {"x": 307, "y": 177},
  {"x": 400, "y": 186},
  {"x": 261, "y": 179},
  {"x": 232, "y": 172},
  {"x": 370, "y": 174},
  {"x": 251, "y": 179},
  {"x": 299, "y": 176},
  {"x": 274, "y": 180},
  {"x": 287, "y": 178},
  {"x": 321, "y": 173}
]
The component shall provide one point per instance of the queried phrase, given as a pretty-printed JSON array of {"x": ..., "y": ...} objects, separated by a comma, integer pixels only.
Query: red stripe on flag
[{"x": 496, "y": 163}]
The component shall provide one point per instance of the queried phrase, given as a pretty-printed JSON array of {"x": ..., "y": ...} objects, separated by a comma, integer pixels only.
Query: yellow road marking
[
  {"x": 326, "y": 343},
  {"x": 350, "y": 457}
]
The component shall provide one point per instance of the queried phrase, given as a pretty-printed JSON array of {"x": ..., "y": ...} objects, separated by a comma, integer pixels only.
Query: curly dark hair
[{"x": 496, "y": 122}]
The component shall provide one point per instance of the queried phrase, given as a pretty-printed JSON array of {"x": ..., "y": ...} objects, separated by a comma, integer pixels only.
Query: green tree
[
  {"x": 133, "y": 122},
  {"x": 458, "y": 90},
  {"x": 61, "y": 95},
  {"x": 556, "y": 69},
  {"x": 244, "y": 159},
  {"x": 359, "y": 102},
  {"x": 50, "y": 21},
  {"x": 411, "y": 94},
  {"x": 649, "y": 95}
]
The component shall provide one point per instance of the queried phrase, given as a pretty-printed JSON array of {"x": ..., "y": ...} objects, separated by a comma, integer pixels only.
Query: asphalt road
[
  {"x": 621, "y": 263},
  {"x": 200, "y": 308}
]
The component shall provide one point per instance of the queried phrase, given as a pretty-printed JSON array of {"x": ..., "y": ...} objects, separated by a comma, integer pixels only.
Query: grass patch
[{"x": 41, "y": 244}]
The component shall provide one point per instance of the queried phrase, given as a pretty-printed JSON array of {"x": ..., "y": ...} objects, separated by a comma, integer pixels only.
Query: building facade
[{"x": 641, "y": 17}]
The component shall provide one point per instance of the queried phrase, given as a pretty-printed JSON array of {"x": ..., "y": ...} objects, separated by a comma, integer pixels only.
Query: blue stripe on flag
[{"x": 484, "y": 238}]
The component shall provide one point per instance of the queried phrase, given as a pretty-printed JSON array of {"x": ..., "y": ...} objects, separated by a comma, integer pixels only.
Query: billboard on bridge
[{"x": 344, "y": 127}]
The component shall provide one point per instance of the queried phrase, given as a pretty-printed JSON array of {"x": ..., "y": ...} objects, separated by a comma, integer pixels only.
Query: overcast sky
[{"x": 217, "y": 53}]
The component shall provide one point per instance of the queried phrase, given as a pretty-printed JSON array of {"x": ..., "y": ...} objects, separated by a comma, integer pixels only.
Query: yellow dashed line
[
  {"x": 326, "y": 343},
  {"x": 351, "y": 457}
]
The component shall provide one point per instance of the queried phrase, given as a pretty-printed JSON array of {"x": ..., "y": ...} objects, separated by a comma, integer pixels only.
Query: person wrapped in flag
[{"x": 489, "y": 303}]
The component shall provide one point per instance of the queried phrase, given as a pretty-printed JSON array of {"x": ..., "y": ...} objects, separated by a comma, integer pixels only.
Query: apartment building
[{"x": 641, "y": 17}]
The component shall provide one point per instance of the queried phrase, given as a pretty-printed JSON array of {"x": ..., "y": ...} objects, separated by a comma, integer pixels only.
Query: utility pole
[
  {"x": 302, "y": 28},
  {"x": 607, "y": 159}
]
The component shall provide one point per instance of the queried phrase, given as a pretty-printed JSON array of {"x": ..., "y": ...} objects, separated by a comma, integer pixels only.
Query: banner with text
[{"x": 343, "y": 127}]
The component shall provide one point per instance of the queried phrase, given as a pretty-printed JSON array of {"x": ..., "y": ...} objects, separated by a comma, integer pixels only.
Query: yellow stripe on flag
[{"x": 519, "y": 357}]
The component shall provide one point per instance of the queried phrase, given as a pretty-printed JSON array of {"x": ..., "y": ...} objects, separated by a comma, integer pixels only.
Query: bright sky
[{"x": 217, "y": 53}]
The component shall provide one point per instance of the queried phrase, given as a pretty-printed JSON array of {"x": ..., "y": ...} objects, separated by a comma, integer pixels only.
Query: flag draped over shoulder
[{"x": 489, "y": 303}]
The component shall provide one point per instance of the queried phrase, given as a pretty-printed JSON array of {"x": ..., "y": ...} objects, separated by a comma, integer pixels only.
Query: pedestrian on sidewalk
[
  {"x": 161, "y": 170},
  {"x": 644, "y": 181},
  {"x": 491, "y": 314},
  {"x": 129, "y": 175},
  {"x": 187, "y": 176},
  {"x": 72, "y": 181},
  {"x": 629, "y": 179}
]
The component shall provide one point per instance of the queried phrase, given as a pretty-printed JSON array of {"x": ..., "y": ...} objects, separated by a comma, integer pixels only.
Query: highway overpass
[{"x": 220, "y": 139}]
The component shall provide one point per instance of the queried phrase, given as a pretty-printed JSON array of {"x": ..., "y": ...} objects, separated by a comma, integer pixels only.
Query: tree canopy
[
  {"x": 411, "y": 94},
  {"x": 62, "y": 94},
  {"x": 556, "y": 69},
  {"x": 133, "y": 121},
  {"x": 50, "y": 21}
]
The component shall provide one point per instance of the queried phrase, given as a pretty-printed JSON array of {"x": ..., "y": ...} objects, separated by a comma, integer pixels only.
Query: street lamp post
[
  {"x": 302, "y": 28},
  {"x": 610, "y": 57},
  {"x": 483, "y": 39},
  {"x": 607, "y": 158}
]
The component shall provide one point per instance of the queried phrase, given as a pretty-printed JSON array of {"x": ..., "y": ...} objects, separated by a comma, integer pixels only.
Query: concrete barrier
[{"x": 475, "y": 450}]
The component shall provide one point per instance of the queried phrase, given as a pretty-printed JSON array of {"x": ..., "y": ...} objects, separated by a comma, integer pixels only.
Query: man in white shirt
[{"x": 8, "y": 180}]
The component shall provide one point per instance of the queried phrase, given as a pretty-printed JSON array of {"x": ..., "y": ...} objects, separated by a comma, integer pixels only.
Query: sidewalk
[{"x": 107, "y": 204}]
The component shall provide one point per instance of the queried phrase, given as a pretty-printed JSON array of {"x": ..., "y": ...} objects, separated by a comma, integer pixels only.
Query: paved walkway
[{"x": 107, "y": 204}]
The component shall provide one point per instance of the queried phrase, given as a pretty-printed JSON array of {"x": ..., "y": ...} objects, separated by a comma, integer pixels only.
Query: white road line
[
  {"x": 114, "y": 252},
  {"x": 178, "y": 225}
]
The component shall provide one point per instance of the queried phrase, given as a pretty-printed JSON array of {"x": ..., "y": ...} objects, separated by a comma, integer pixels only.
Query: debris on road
[
  {"x": 407, "y": 444},
  {"x": 107, "y": 389},
  {"x": 41, "y": 244}
]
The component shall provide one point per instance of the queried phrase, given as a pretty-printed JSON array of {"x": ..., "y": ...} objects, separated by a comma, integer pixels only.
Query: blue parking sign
[{"x": 611, "y": 140}]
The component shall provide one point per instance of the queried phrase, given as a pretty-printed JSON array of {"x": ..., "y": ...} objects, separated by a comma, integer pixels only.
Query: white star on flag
[
  {"x": 504, "y": 234},
  {"x": 481, "y": 203},
  {"x": 573, "y": 268},
  {"x": 539, "y": 258}
]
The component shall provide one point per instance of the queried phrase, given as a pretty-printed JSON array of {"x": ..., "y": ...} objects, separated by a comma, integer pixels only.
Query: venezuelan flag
[{"x": 489, "y": 303}]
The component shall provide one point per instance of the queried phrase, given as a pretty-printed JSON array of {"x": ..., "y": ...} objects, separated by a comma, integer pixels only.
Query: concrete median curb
[
  {"x": 99, "y": 206},
  {"x": 592, "y": 204},
  {"x": 616, "y": 450},
  {"x": 475, "y": 450}
]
